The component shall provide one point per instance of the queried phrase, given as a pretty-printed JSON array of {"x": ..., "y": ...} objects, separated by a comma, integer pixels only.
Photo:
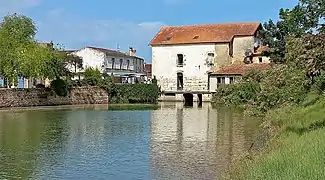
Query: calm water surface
[{"x": 172, "y": 142}]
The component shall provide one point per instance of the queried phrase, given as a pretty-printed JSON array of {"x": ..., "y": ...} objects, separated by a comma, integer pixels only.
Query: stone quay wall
[{"x": 45, "y": 97}]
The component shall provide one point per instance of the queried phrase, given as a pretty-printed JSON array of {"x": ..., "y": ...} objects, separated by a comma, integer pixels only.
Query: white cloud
[
  {"x": 76, "y": 33},
  {"x": 16, "y": 6}
]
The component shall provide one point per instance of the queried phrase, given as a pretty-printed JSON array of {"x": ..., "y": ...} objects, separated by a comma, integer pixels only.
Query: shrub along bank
[
  {"x": 118, "y": 93},
  {"x": 260, "y": 91}
]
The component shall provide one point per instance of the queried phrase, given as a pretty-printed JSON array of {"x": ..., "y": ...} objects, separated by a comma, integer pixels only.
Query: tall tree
[
  {"x": 304, "y": 18},
  {"x": 16, "y": 33},
  {"x": 21, "y": 55}
]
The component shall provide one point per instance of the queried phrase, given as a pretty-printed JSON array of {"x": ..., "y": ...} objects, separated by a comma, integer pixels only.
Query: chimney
[{"x": 132, "y": 52}]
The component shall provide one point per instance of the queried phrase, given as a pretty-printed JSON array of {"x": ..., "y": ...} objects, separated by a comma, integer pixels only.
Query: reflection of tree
[{"x": 23, "y": 135}]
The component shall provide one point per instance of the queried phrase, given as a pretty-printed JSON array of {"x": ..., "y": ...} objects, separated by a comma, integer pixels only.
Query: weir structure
[{"x": 188, "y": 97}]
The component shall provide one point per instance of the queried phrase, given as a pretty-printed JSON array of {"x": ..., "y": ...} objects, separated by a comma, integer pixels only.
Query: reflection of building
[{"x": 195, "y": 143}]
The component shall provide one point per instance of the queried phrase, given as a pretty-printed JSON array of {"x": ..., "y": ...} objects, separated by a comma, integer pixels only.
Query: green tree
[
  {"x": 307, "y": 53},
  {"x": 21, "y": 55},
  {"x": 93, "y": 76},
  {"x": 304, "y": 18},
  {"x": 73, "y": 61},
  {"x": 16, "y": 33}
]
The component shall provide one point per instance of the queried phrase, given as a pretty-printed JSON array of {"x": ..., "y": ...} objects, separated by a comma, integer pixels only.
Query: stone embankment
[{"x": 46, "y": 97}]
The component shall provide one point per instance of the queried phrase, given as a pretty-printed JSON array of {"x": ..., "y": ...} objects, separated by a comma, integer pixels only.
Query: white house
[
  {"x": 183, "y": 56},
  {"x": 127, "y": 66}
]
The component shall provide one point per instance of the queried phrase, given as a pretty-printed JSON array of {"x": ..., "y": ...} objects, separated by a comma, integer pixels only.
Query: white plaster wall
[
  {"x": 264, "y": 59},
  {"x": 96, "y": 59},
  {"x": 213, "y": 83},
  {"x": 165, "y": 69},
  {"x": 91, "y": 58}
]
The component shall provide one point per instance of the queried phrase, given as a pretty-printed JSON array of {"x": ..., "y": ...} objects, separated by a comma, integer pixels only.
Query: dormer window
[
  {"x": 168, "y": 38},
  {"x": 195, "y": 37}
]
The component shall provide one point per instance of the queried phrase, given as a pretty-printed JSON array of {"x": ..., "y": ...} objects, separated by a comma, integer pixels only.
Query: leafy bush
[
  {"x": 237, "y": 94},
  {"x": 319, "y": 84},
  {"x": 240, "y": 93},
  {"x": 281, "y": 85},
  {"x": 92, "y": 76},
  {"x": 132, "y": 93},
  {"x": 60, "y": 87},
  {"x": 263, "y": 90}
]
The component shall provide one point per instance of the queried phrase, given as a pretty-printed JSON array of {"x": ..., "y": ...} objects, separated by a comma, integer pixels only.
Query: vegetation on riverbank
[
  {"x": 290, "y": 96},
  {"x": 118, "y": 93},
  {"x": 296, "y": 149}
]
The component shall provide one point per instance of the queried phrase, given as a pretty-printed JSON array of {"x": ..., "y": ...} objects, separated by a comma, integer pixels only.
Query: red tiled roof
[
  {"x": 205, "y": 33},
  {"x": 240, "y": 69}
]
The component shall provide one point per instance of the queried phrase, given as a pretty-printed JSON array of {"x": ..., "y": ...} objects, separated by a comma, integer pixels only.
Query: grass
[{"x": 297, "y": 150}]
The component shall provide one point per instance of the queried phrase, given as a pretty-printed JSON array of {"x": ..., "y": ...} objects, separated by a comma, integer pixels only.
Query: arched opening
[
  {"x": 179, "y": 81},
  {"x": 188, "y": 97}
]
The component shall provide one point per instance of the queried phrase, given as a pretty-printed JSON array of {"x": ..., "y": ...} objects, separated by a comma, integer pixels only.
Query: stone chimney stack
[{"x": 132, "y": 52}]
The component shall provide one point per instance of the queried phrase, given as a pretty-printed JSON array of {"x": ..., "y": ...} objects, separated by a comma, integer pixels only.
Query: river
[{"x": 172, "y": 142}]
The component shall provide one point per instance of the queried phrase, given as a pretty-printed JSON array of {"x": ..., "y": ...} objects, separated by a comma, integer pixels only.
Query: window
[
  {"x": 211, "y": 54},
  {"x": 121, "y": 63},
  {"x": 210, "y": 59},
  {"x": 221, "y": 81},
  {"x": 113, "y": 63},
  {"x": 195, "y": 37},
  {"x": 180, "y": 60},
  {"x": 231, "y": 79},
  {"x": 260, "y": 59},
  {"x": 179, "y": 81},
  {"x": 128, "y": 64}
]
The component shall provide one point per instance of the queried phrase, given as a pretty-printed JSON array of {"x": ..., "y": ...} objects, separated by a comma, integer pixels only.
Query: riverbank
[
  {"x": 296, "y": 149},
  {"x": 31, "y": 97},
  {"x": 84, "y": 107}
]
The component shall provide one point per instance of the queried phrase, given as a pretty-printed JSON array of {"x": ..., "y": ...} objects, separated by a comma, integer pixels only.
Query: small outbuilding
[{"x": 232, "y": 73}]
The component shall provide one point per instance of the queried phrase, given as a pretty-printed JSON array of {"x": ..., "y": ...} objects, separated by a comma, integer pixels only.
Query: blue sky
[{"x": 106, "y": 23}]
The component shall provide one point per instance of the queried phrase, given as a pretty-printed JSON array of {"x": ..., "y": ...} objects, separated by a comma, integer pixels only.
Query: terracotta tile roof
[
  {"x": 240, "y": 69},
  {"x": 205, "y": 33}
]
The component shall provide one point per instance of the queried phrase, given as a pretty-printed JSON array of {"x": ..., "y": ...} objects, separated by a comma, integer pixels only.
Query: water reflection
[
  {"x": 196, "y": 143},
  {"x": 22, "y": 136},
  {"x": 172, "y": 142}
]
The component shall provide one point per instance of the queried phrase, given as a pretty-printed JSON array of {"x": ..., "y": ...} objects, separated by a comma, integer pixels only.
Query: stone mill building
[{"x": 184, "y": 56}]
